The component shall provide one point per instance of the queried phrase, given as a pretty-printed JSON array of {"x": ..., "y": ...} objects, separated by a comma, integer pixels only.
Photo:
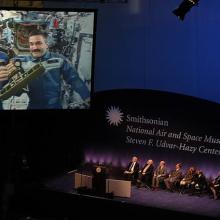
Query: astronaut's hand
[
  {"x": 78, "y": 105},
  {"x": 6, "y": 70},
  {"x": 86, "y": 103}
]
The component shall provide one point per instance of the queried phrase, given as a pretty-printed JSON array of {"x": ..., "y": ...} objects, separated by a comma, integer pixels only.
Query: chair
[{"x": 199, "y": 190}]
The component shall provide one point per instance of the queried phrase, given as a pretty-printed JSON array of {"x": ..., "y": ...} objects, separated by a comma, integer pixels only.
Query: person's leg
[
  {"x": 167, "y": 183},
  {"x": 214, "y": 192}
]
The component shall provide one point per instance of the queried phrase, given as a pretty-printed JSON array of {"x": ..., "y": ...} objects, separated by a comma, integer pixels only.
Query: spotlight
[{"x": 184, "y": 7}]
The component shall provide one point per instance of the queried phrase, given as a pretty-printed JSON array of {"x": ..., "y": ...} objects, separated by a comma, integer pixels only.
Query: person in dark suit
[
  {"x": 199, "y": 183},
  {"x": 185, "y": 183},
  {"x": 215, "y": 187},
  {"x": 174, "y": 177},
  {"x": 146, "y": 174},
  {"x": 131, "y": 172}
]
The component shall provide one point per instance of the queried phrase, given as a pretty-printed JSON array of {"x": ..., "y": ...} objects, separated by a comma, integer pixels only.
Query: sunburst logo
[{"x": 114, "y": 116}]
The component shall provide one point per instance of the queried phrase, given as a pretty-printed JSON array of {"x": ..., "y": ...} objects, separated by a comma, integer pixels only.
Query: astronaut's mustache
[{"x": 37, "y": 50}]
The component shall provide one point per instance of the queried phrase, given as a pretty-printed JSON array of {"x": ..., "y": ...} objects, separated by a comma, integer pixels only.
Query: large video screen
[{"x": 46, "y": 58}]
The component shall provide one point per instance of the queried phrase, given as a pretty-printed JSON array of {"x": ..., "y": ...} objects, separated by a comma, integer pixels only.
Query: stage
[{"x": 159, "y": 202}]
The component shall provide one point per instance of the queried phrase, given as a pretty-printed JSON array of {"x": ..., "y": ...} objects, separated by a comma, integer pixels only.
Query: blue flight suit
[{"x": 45, "y": 90}]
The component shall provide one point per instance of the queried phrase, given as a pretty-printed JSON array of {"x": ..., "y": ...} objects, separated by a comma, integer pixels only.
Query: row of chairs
[{"x": 191, "y": 188}]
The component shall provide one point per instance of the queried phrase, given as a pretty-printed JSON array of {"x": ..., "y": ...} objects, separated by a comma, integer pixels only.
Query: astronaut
[{"x": 45, "y": 90}]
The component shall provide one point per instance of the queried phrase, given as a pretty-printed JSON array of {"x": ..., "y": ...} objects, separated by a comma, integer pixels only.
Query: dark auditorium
[{"x": 109, "y": 109}]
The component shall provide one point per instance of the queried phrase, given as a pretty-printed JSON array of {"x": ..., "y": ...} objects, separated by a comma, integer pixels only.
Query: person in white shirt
[
  {"x": 131, "y": 172},
  {"x": 146, "y": 174}
]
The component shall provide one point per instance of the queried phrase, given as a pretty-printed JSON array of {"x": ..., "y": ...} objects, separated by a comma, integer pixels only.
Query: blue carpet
[{"x": 162, "y": 199}]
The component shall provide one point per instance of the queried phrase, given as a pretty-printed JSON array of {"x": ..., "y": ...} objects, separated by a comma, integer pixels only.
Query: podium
[
  {"x": 99, "y": 185},
  {"x": 99, "y": 179},
  {"x": 82, "y": 180},
  {"x": 121, "y": 188}
]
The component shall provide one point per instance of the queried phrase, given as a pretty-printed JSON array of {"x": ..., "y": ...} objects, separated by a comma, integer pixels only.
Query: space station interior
[{"x": 70, "y": 33}]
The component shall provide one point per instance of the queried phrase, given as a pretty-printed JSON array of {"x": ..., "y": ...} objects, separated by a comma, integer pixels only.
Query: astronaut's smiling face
[{"x": 38, "y": 45}]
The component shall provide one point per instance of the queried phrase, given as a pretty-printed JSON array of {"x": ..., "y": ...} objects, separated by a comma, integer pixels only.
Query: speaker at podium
[{"x": 99, "y": 179}]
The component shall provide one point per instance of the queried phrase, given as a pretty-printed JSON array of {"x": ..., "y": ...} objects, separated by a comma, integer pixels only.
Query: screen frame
[{"x": 93, "y": 54}]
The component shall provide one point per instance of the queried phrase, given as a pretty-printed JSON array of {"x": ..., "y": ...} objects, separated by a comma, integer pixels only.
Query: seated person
[
  {"x": 159, "y": 175},
  {"x": 131, "y": 172},
  {"x": 187, "y": 179},
  {"x": 174, "y": 177},
  {"x": 146, "y": 174},
  {"x": 199, "y": 182},
  {"x": 215, "y": 187}
]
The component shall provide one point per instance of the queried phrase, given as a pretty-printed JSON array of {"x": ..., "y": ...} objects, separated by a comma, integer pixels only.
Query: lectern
[{"x": 99, "y": 179}]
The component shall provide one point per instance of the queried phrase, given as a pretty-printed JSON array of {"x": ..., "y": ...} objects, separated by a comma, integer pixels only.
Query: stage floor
[{"x": 162, "y": 199}]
